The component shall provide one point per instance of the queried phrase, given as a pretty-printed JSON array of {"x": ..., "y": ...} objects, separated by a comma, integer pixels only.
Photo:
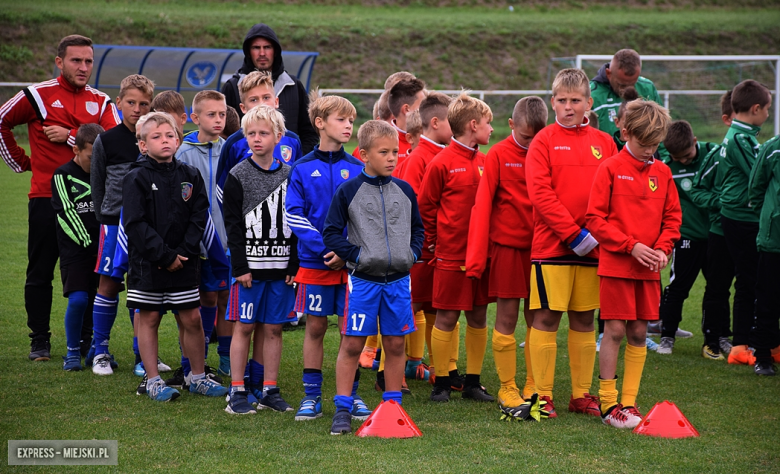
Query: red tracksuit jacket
[
  {"x": 502, "y": 212},
  {"x": 632, "y": 201},
  {"x": 448, "y": 193},
  {"x": 561, "y": 163},
  {"x": 53, "y": 102}
]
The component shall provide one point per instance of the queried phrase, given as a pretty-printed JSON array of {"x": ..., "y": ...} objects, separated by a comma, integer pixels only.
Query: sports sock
[
  {"x": 268, "y": 385},
  {"x": 74, "y": 316},
  {"x": 237, "y": 384},
  {"x": 582, "y": 358},
  {"x": 136, "y": 350},
  {"x": 380, "y": 379},
  {"x": 395, "y": 396},
  {"x": 312, "y": 382},
  {"x": 381, "y": 355},
  {"x": 430, "y": 320},
  {"x": 505, "y": 356},
  {"x": 634, "y": 364},
  {"x": 608, "y": 394},
  {"x": 454, "y": 349},
  {"x": 543, "y": 352},
  {"x": 371, "y": 341},
  {"x": 154, "y": 380},
  {"x": 223, "y": 345},
  {"x": 343, "y": 402},
  {"x": 476, "y": 343},
  {"x": 356, "y": 383},
  {"x": 103, "y": 316},
  {"x": 377, "y": 358},
  {"x": 208, "y": 316},
  {"x": 441, "y": 342},
  {"x": 196, "y": 377},
  {"x": 185, "y": 365},
  {"x": 256, "y": 373},
  {"x": 530, "y": 386},
  {"x": 415, "y": 347}
]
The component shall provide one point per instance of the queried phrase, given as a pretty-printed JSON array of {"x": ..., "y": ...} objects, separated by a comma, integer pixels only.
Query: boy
[
  {"x": 321, "y": 278},
  {"x": 593, "y": 119},
  {"x": 172, "y": 103},
  {"x": 262, "y": 293},
  {"x": 379, "y": 284},
  {"x": 232, "y": 123},
  {"x": 561, "y": 163},
  {"x": 114, "y": 152},
  {"x": 413, "y": 129},
  {"x": 77, "y": 234},
  {"x": 635, "y": 215},
  {"x": 402, "y": 99},
  {"x": 503, "y": 215},
  {"x": 628, "y": 94},
  {"x": 690, "y": 252},
  {"x": 164, "y": 226},
  {"x": 764, "y": 197},
  {"x": 448, "y": 192},
  {"x": 750, "y": 101}
]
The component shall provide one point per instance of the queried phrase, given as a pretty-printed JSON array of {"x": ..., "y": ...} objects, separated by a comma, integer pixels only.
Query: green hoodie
[
  {"x": 764, "y": 196},
  {"x": 737, "y": 158},
  {"x": 695, "y": 222}
]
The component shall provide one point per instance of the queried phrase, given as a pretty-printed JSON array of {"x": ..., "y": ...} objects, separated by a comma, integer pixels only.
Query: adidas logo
[
  {"x": 154, "y": 187},
  {"x": 405, "y": 328},
  {"x": 316, "y": 173},
  {"x": 73, "y": 189},
  {"x": 57, "y": 104}
]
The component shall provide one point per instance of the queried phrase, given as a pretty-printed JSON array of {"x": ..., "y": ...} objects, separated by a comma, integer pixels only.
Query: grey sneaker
[
  {"x": 666, "y": 346},
  {"x": 40, "y": 350},
  {"x": 654, "y": 328},
  {"x": 683, "y": 334},
  {"x": 725, "y": 345},
  {"x": 342, "y": 423}
]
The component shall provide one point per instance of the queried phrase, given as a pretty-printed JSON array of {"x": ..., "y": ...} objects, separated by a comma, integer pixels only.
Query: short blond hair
[
  {"x": 531, "y": 111},
  {"x": 264, "y": 113},
  {"x": 327, "y": 105},
  {"x": 136, "y": 81},
  {"x": 571, "y": 79},
  {"x": 203, "y": 96},
  {"x": 414, "y": 125},
  {"x": 170, "y": 102},
  {"x": 646, "y": 121},
  {"x": 154, "y": 118},
  {"x": 397, "y": 77},
  {"x": 463, "y": 109},
  {"x": 372, "y": 130},
  {"x": 255, "y": 79}
]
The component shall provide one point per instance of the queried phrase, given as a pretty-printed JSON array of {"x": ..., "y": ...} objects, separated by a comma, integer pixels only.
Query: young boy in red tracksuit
[
  {"x": 448, "y": 193},
  {"x": 634, "y": 212},
  {"x": 503, "y": 215}
]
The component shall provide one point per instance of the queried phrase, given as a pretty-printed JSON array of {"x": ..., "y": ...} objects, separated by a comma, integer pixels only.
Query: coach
[
  {"x": 263, "y": 52},
  {"x": 53, "y": 111}
]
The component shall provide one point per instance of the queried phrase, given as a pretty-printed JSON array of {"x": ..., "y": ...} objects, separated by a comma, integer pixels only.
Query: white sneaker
[
  {"x": 683, "y": 334},
  {"x": 101, "y": 365},
  {"x": 162, "y": 366},
  {"x": 666, "y": 346},
  {"x": 621, "y": 417}
]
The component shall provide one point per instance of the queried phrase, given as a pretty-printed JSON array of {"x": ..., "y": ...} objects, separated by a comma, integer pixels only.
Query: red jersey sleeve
[
  {"x": 429, "y": 199},
  {"x": 479, "y": 225},
  {"x": 16, "y": 111},
  {"x": 609, "y": 237},
  {"x": 110, "y": 118},
  {"x": 672, "y": 220}
]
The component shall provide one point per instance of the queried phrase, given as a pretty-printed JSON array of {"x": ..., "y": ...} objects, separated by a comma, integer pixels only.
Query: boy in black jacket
[{"x": 165, "y": 213}]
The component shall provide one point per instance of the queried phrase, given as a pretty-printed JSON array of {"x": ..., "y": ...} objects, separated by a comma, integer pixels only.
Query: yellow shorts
[{"x": 564, "y": 287}]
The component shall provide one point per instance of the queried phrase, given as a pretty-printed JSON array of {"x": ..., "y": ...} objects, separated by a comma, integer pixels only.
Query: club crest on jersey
[
  {"x": 481, "y": 169},
  {"x": 653, "y": 183},
  {"x": 286, "y": 152},
  {"x": 345, "y": 174},
  {"x": 186, "y": 191},
  {"x": 93, "y": 108},
  {"x": 596, "y": 150}
]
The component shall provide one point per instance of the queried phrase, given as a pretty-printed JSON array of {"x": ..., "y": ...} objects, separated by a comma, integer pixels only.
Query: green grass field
[{"x": 736, "y": 412}]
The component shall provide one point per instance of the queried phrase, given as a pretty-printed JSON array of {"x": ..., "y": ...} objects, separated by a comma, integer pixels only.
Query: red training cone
[
  {"x": 389, "y": 420},
  {"x": 665, "y": 420}
]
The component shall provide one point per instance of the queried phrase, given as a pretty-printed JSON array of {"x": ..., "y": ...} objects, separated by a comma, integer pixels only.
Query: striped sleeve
[
  {"x": 67, "y": 216},
  {"x": 16, "y": 111}
]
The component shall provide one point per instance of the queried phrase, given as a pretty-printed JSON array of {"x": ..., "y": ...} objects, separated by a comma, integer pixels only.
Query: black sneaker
[
  {"x": 141, "y": 390},
  {"x": 238, "y": 404},
  {"x": 274, "y": 401},
  {"x": 177, "y": 381},
  {"x": 457, "y": 381},
  {"x": 40, "y": 350},
  {"x": 440, "y": 394},
  {"x": 765, "y": 367},
  {"x": 212, "y": 374},
  {"x": 478, "y": 393},
  {"x": 342, "y": 423}
]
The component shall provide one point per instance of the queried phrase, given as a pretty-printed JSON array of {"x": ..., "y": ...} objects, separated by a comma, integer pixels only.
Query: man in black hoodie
[{"x": 262, "y": 52}]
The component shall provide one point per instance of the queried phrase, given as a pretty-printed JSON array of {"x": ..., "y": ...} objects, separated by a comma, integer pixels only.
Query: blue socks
[
  {"x": 312, "y": 382},
  {"x": 356, "y": 383},
  {"x": 103, "y": 316},
  {"x": 74, "y": 316},
  {"x": 256, "y": 373},
  {"x": 185, "y": 364},
  {"x": 343, "y": 402},
  {"x": 396, "y": 396},
  {"x": 208, "y": 315},
  {"x": 223, "y": 345}
]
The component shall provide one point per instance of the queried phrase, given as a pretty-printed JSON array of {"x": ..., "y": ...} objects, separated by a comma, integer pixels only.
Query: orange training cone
[
  {"x": 665, "y": 420},
  {"x": 389, "y": 420}
]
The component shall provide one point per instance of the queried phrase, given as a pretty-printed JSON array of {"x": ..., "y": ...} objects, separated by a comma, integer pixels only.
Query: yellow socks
[
  {"x": 454, "y": 349},
  {"x": 608, "y": 394},
  {"x": 582, "y": 357},
  {"x": 382, "y": 354},
  {"x": 415, "y": 341},
  {"x": 505, "y": 356},
  {"x": 530, "y": 387},
  {"x": 430, "y": 320},
  {"x": 371, "y": 341},
  {"x": 476, "y": 343},
  {"x": 543, "y": 352},
  {"x": 634, "y": 361},
  {"x": 441, "y": 342}
]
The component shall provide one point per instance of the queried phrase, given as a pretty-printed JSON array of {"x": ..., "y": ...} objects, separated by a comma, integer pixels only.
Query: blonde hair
[
  {"x": 414, "y": 125},
  {"x": 531, "y": 111},
  {"x": 203, "y": 96},
  {"x": 372, "y": 130},
  {"x": 255, "y": 79},
  {"x": 397, "y": 77},
  {"x": 571, "y": 79},
  {"x": 463, "y": 109},
  {"x": 170, "y": 102},
  {"x": 156, "y": 118},
  {"x": 136, "y": 81},
  {"x": 646, "y": 121},
  {"x": 382, "y": 109},
  {"x": 264, "y": 113},
  {"x": 327, "y": 105}
]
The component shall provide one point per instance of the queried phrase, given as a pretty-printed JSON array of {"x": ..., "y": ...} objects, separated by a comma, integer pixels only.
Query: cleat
[
  {"x": 419, "y": 372},
  {"x": 160, "y": 392},
  {"x": 509, "y": 397},
  {"x": 72, "y": 363},
  {"x": 654, "y": 328},
  {"x": 212, "y": 374},
  {"x": 666, "y": 346},
  {"x": 431, "y": 375},
  {"x": 683, "y": 334},
  {"x": 634, "y": 411},
  {"x": 725, "y": 345},
  {"x": 177, "y": 381},
  {"x": 273, "y": 401},
  {"x": 457, "y": 381},
  {"x": 40, "y": 350},
  {"x": 139, "y": 370},
  {"x": 588, "y": 405},
  {"x": 224, "y": 366},
  {"x": 598, "y": 342},
  {"x": 440, "y": 394},
  {"x": 765, "y": 367},
  {"x": 162, "y": 366},
  {"x": 310, "y": 409},
  {"x": 238, "y": 404},
  {"x": 478, "y": 393},
  {"x": 651, "y": 344},
  {"x": 619, "y": 417},
  {"x": 526, "y": 411},
  {"x": 141, "y": 389},
  {"x": 405, "y": 388},
  {"x": 367, "y": 358},
  {"x": 546, "y": 407},
  {"x": 207, "y": 387},
  {"x": 101, "y": 365},
  {"x": 342, "y": 423},
  {"x": 741, "y": 355},
  {"x": 521, "y": 345},
  {"x": 360, "y": 410},
  {"x": 711, "y": 353}
]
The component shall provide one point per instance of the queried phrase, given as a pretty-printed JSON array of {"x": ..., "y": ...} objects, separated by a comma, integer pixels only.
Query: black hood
[
  {"x": 601, "y": 76},
  {"x": 261, "y": 30}
]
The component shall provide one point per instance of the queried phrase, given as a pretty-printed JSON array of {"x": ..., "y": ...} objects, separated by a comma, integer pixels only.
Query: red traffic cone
[
  {"x": 665, "y": 420},
  {"x": 389, "y": 420}
]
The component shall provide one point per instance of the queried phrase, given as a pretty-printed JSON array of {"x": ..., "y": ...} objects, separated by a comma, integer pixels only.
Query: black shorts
[
  {"x": 79, "y": 275},
  {"x": 163, "y": 299}
]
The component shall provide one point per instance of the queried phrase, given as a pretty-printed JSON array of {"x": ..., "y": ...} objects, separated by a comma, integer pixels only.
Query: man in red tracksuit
[{"x": 53, "y": 111}]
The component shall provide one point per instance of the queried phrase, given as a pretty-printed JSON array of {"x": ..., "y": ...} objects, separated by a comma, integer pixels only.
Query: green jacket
[
  {"x": 706, "y": 188},
  {"x": 764, "y": 194},
  {"x": 695, "y": 224},
  {"x": 737, "y": 158}
]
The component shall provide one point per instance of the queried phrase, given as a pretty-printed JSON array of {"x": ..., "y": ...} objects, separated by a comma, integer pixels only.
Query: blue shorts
[
  {"x": 267, "y": 301},
  {"x": 321, "y": 300},
  {"x": 208, "y": 282},
  {"x": 370, "y": 304},
  {"x": 105, "y": 261}
]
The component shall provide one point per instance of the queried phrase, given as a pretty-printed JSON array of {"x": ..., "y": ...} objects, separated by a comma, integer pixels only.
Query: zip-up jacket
[
  {"x": 502, "y": 212},
  {"x": 54, "y": 102},
  {"x": 765, "y": 196},
  {"x": 77, "y": 228},
  {"x": 312, "y": 184},
  {"x": 632, "y": 202},
  {"x": 113, "y": 153},
  {"x": 561, "y": 164},
  {"x": 448, "y": 193},
  {"x": 384, "y": 230},
  {"x": 706, "y": 189},
  {"x": 606, "y": 101},
  {"x": 696, "y": 222},
  {"x": 165, "y": 210},
  {"x": 737, "y": 158}
]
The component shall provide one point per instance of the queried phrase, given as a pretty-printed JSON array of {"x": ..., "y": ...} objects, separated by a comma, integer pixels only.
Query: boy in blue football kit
[{"x": 384, "y": 238}]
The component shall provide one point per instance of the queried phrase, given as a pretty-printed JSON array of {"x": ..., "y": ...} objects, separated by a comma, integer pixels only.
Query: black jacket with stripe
[{"x": 77, "y": 228}]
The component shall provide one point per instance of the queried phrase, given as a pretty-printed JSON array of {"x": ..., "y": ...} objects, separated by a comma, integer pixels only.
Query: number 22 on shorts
[{"x": 315, "y": 302}]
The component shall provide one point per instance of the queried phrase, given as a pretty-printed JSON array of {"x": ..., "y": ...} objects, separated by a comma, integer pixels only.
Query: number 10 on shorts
[{"x": 357, "y": 321}]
